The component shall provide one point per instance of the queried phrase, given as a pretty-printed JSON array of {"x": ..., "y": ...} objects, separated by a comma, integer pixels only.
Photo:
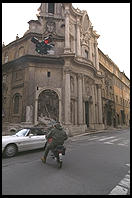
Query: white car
[{"x": 24, "y": 140}]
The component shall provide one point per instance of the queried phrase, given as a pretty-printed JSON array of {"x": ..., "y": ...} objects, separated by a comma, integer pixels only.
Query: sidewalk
[{"x": 98, "y": 131}]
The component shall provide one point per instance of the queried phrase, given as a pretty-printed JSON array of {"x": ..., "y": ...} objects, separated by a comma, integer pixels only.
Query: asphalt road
[{"x": 97, "y": 164}]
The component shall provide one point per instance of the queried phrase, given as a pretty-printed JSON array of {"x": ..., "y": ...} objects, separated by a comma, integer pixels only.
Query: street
[{"x": 95, "y": 164}]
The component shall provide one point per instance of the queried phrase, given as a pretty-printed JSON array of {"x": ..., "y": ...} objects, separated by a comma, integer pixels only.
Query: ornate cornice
[
  {"x": 25, "y": 37},
  {"x": 36, "y": 59}
]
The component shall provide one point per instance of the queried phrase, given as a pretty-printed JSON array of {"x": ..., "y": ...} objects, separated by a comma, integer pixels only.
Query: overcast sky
[{"x": 110, "y": 20}]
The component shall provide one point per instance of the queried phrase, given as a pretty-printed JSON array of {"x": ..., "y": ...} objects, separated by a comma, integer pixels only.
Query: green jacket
[{"x": 58, "y": 135}]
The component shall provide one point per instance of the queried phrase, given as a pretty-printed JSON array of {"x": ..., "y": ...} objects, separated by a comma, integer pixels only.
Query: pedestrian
[{"x": 55, "y": 137}]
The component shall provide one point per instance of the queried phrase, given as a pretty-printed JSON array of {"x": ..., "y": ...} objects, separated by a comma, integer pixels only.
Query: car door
[
  {"x": 24, "y": 142},
  {"x": 37, "y": 140}
]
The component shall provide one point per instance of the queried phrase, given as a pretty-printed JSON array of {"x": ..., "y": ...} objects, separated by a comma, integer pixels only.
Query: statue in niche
[
  {"x": 85, "y": 38},
  {"x": 88, "y": 88},
  {"x": 88, "y": 91},
  {"x": 29, "y": 113}
]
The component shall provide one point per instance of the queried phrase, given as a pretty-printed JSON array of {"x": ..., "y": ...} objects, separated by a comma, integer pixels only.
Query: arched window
[
  {"x": 51, "y": 8},
  {"x": 86, "y": 54},
  {"x": 16, "y": 101}
]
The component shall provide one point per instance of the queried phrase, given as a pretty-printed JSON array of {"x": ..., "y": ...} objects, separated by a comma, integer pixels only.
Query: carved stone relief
[
  {"x": 88, "y": 89},
  {"x": 71, "y": 29},
  {"x": 85, "y": 23},
  {"x": 51, "y": 27},
  {"x": 84, "y": 30},
  {"x": 85, "y": 39}
]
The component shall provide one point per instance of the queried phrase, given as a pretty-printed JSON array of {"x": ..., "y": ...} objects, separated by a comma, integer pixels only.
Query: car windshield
[{"x": 22, "y": 132}]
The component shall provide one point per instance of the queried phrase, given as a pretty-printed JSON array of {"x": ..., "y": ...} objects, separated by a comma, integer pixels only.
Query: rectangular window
[
  {"x": 48, "y": 74},
  {"x": 51, "y": 8}
]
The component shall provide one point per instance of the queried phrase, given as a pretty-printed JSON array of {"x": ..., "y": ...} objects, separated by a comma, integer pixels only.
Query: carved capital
[
  {"x": 80, "y": 76},
  {"x": 99, "y": 86},
  {"x": 67, "y": 70},
  {"x": 67, "y": 12}
]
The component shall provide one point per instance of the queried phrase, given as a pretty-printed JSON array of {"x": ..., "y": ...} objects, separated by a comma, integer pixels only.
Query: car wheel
[{"x": 10, "y": 150}]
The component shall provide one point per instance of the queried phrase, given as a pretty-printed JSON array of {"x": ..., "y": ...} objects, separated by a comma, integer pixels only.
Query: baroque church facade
[{"x": 65, "y": 84}]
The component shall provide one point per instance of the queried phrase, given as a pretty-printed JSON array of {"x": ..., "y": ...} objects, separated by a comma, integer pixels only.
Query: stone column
[
  {"x": 90, "y": 50},
  {"x": 78, "y": 38},
  {"x": 60, "y": 110},
  {"x": 83, "y": 84},
  {"x": 80, "y": 100},
  {"x": 99, "y": 104},
  {"x": 75, "y": 83},
  {"x": 96, "y": 56},
  {"x": 67, "y": 39},
  {"x": 83, "y": 95},
  {"x": 36, "y": 111},
  {"x": 74, "y": 50},
  {"x": 84, "y": 118},
  {"x": 29, "y": 114},
  {"x": 67, "y": 96},
  {"x": 93, "y": 105},
  {"x": 96, "y": 103},
  {"x": 90, "y": 114}
]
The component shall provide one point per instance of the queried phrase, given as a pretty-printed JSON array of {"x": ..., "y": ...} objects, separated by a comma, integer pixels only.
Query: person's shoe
[{"x": 43, "y": 159}]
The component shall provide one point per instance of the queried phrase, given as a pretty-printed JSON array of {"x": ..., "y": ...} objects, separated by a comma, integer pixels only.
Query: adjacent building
[
  {"x": 75, "y": 83},
  {"x": 115, "y": 93}
]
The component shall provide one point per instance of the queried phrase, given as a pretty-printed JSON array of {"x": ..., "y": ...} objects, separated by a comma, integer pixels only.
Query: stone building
[
  {"x": 115, "y": 93},
  {"x": 65, "y": 84},
  {"x": 122, "y": 98},
  {"x": 107, "y": 90}
]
